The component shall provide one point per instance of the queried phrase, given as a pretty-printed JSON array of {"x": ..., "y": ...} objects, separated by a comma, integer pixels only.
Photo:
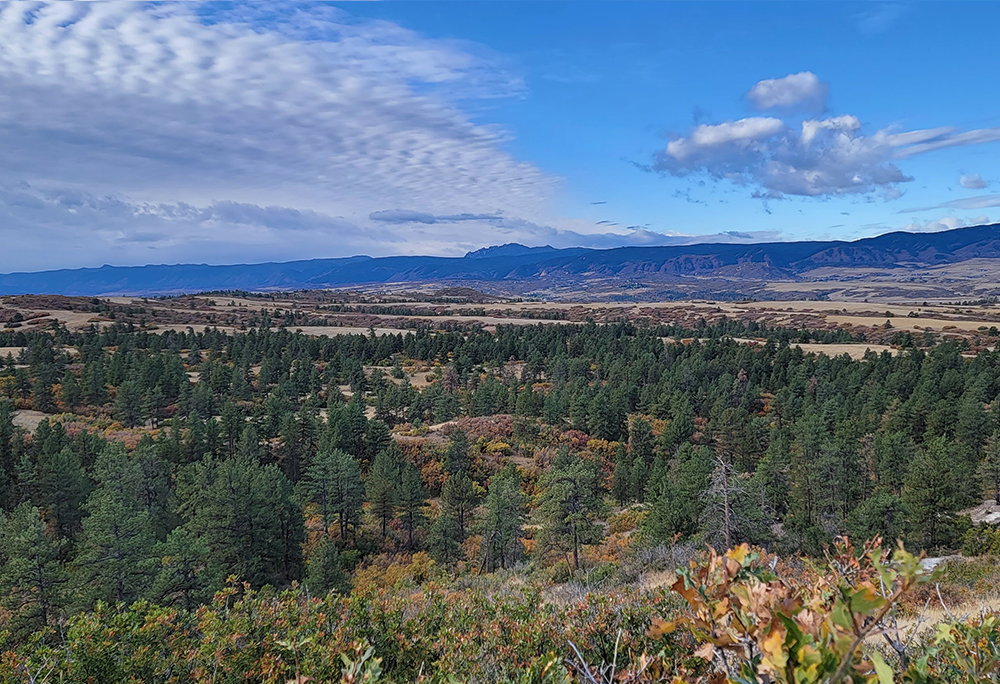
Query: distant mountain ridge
[
  {"x": 515, "y": 262},
  {"x": 509, "y": 249}
]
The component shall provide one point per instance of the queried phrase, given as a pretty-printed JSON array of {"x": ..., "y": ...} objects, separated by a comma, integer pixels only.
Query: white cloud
[
  {"x": 846, "y": 124},
  {"x": 705, "y": 141},
  {"x": 944, "y": 223},
  {"x": 825, "y": 157},
  {"x": 801, "y": 91},
  {"x": 821, "y": 158},
  {"x": 972, "y": 181},
  {"x": 181, "y": 104}
]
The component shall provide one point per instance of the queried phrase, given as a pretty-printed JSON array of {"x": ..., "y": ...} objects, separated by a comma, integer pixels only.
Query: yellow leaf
[
  {"x": 739, "y": 553},
  {"x": 773, "y": 646}
]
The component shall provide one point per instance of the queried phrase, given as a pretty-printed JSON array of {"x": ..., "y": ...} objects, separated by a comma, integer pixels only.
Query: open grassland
[{"x": 395, "y": 311}]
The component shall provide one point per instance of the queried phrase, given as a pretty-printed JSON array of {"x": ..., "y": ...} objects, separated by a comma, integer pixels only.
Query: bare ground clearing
[{"x": 28, "y": 419}]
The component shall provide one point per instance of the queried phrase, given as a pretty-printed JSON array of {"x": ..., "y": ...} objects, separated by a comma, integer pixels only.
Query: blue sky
[{"x": 233, "y": 132}]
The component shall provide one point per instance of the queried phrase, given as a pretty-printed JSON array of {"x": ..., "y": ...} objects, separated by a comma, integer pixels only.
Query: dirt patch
[
  {"x": 987, "y": 512},
  {"x": 28, "y": 420},
  {"x": 855, "y": 351},
  {"x": 932, "y": 323}
]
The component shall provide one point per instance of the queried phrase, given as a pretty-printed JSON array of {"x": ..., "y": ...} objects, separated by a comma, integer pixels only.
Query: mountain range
[{"x": 514, "y": 263}]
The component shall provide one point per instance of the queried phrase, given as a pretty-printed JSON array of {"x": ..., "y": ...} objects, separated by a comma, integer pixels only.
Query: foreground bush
[
  {"x": 749, "y": 619},
  {"x": 247, "y": 636}
]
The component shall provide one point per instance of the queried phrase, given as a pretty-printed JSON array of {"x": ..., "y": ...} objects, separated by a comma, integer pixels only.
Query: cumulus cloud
[
  {"x": 972, "y": 181},
  {"x": 800, "y": 92},
  {"x": 186, "y": 104},
  {"x": 821, "y": 157}
]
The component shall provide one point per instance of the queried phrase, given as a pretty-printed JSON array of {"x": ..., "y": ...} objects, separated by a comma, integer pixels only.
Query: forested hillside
[{"x": 451, "y": 497}]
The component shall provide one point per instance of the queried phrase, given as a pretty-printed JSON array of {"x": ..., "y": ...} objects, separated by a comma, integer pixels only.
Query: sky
[{"x": 136, "y": 133}]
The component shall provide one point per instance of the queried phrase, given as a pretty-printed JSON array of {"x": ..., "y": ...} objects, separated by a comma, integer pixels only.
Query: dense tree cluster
[{"x": 249, "y": 461}]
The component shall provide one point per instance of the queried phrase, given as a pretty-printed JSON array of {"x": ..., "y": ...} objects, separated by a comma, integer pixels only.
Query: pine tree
[
  {"x": 42, "y": 396},
  {"x": 638, "y": 478},
  {"x": 456, "y": 457},
  {"x": 443, "y": 537},
  {"x": 569, "y": 507},
  {"x": 153, "y": 403},
  {"x": 250, "y": 446},
  {"x": 882, "y": 515},
  {"x": 246, "y": 514},
  {"x": 325, "y": 570},
  {"x": 552, "y": 409},
  {"x": 806, "y": 480},
  {"x": 116, "y": 547},
  {"x": 929, "y": 498},
  {"x": 604, "y": 419},
  {"x": 989, "y": 468},
  {"x": 62, "y": 489},
  {"x": 128, "y": 403},
  {"x": 657, "y": 474},
  {"x": 32, "y": 576},
  {"x": 8, "y": 464},
  {"x": 668, "y": 515},
  {"x": 333, "y": 483},
  {"x": 182, "y": 579},
  {"x": 621, "y": 477},
  {"x": 233, "y": 423},
  {"x": 382, "y": 487},
  {"x": 731, "y": 515},
  {"x": 578, "y": 407},
  {"x": 681, "y": 426},
  {"x": 70, "y": 390},
  {"x": 154, "y": 487},
  {"x": 641, "y": 441},
  {"x": 376, "y": 436},
  {"x": 94, "y": 385},
  {"x": 892, "y": 454},
  {"x": 460, "y": 498},
  {"x": 412, "y": 500},
  {"x": 502, "y": 524}
]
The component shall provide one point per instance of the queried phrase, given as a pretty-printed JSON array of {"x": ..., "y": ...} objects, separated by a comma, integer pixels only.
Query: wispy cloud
[
  {"x": 880, "y": 17},
  {"x": 966, "y": 203},
  {"x": 408, "y": 216},
  {"x": 300, "y": 106}
]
